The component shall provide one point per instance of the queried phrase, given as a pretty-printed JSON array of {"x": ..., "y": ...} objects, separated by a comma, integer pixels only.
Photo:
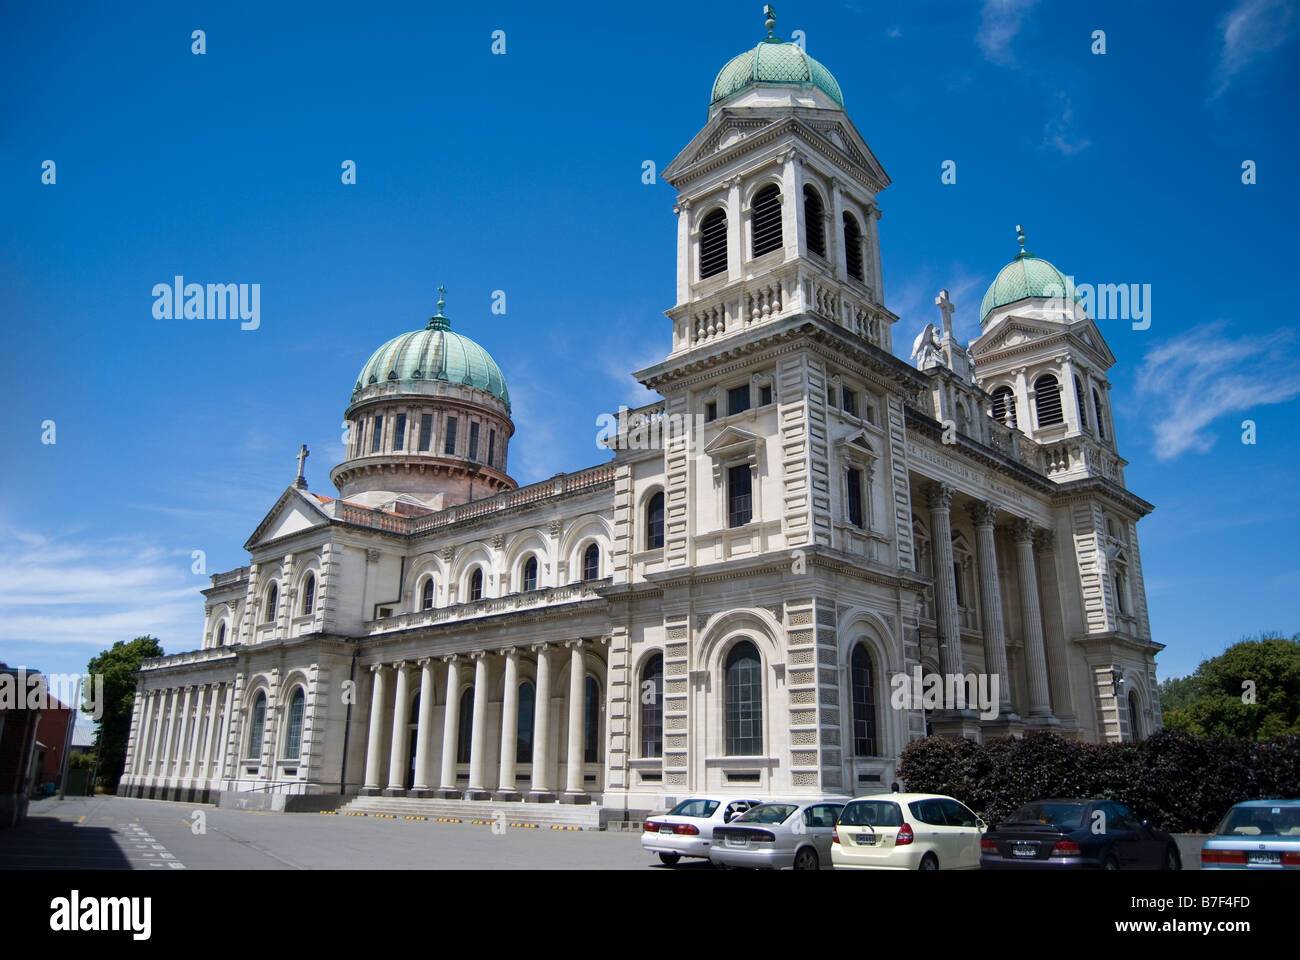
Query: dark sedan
[{"x": 1077, "y": 834}]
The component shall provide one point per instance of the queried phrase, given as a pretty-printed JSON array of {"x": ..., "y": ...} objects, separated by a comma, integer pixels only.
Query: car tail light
[
  {"x": 904, "y": 835},
  {"x": 835, "y": 835},
  {"x": 1291, "y": 859},
  {"x": 689, "y": 829},
  {"x": 1234, "y": 857},
  {"x": 1066, "y": 848},
  {"x": 986, "y": 843},
  {"x": 651, "y": 827}
]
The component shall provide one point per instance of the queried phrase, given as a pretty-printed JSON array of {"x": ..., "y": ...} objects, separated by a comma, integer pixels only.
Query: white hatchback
[
  {"x": 687, "y": 829},
  {"x": 907, "y": 831}
]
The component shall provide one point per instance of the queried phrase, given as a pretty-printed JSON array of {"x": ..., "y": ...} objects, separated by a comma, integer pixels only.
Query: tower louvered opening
[
  {"x": 713, "y": 244},
  {"x": 1047, "y": 400},
  {"x": 814, "y": 219},
  {"x": 853, "y": 246},
  {"x": 766, "y": 220}
]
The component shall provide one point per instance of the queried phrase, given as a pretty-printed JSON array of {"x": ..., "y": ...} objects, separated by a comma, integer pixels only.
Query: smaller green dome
[
  {"x": 778, "y": 62},
  {"x": 1024, "y": 277},
  {"x": 434, "y": 353}
]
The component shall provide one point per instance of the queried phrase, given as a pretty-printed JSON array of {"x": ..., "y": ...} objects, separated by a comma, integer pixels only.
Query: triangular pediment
[
  {"x": 1014, "y": 332},
  {"x": 857, "y": 441},
  {"x": 294, "y": 512},
  {"x": 731, "y": 438}
]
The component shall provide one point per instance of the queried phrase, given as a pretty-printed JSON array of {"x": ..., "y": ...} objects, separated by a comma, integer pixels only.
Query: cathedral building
[{"x": 727, "y": 603}]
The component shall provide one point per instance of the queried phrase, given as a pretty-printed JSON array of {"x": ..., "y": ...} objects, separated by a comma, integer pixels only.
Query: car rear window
[
  {"x": 694, "y": 808},
  {"x": 871, "y": 813},
  {"x": 767, "y": 813},
  {"x": 1067, "y": 816},
  {"x": 1281, "y": 820}
]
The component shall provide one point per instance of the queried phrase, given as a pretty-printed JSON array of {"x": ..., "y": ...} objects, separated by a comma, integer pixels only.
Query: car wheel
[
  {"x": 669, "y": 859},
  {"x": 806, "y": 859},
  {"x": 929, "y": 862},
  {"x": 1172, "y": 860},
  {"x": 1110, "y": 863}
]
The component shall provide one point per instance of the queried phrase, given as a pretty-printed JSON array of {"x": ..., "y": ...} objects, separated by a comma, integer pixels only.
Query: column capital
[
  {"x": 399, "y": 666},
  {"x": 575, "y": 644},
  {"x": 452, "y": 657},
  {"x": 423, "y": 662},
  {"x": 477, "y": 655},
  {"x": 540, "y": 647},
  {"x": 1045, "y": 541},
  {"x": 509, "y": 652},
  {"x": 377, "y": 667},
  {"x": 983, "y": 513},
  {"x": 938, "y": 496},
  {"x": 1023, "y": 530}
]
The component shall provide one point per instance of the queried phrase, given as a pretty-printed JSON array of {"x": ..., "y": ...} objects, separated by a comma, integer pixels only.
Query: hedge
[{"x": 1180, "y": 782}]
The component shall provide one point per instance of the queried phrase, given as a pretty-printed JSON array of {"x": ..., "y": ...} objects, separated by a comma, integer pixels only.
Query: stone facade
[{"x": 725, "y": 604}]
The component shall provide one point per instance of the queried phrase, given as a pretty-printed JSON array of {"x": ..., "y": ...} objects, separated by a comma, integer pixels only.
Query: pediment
[
  {"x": 293, "y": 513},
  {"x": 730, "y": 439},
  {"x": 1014, "y": 332},
  {"x": 857, "y": 441}
]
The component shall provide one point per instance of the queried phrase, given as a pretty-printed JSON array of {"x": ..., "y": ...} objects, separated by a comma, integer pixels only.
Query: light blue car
[{"x": 1256, "y": 835}]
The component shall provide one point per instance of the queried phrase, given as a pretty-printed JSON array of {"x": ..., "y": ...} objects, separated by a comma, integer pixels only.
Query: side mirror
[{"x": 979, "y": 822}]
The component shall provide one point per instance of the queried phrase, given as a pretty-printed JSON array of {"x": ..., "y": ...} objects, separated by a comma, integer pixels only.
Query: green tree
[
  {"x": 118, "y": 666},
  {"x": 1251, "y": 690},
  {"x": 1175, "y": 694}
]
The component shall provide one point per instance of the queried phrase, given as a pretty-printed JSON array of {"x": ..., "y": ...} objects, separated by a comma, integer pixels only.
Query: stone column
[
  {"x": 983, "y": 515},
  {"x": 155, "y": 755},
  {"x": 1040, "y": 702},
  {"x": 397, "y": 748},
  {"x": 574, "y": 791},
  {"x": 450, "y": 729},
  {"x": 424, "y": 730},
  {"x": 142, "y": 754},
  {"x": 214, "y": 718},
  {"x": 478, "y": 733},
  {"x": 509, "y": 728},
  {"x": 194, "y": 733},
  {"x": 182, "y": 735},
  {"x": 165, "y": 772},
  {"x": 375, "y": 742},
  {"x": 540, "y": 790},
  {"x": 938, "y": 497},
  {"x": 227, "y": 718},
  {"x": 1054, "y": 643}
]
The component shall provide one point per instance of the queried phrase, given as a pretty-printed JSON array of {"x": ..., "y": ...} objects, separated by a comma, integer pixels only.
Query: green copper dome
[
  {"x": 435, "y": 353},
  {"x": 1024, "y": 277},
  {"x": 774, "y": 61}
]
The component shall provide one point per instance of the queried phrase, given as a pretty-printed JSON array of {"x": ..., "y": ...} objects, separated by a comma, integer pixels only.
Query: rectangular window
[
  {"x": 850, "y": 402},
  {"x": 710, "y": 412},
  {"x": 830, "y": 396},
  {"x": 737, "y": 399},
  {"x": 740, "y": 504},
  {"x": 855, "y": 496},
  {"x": 399, "y": 432},
  {"x": 473, "y": 441},
  {"x": 765, "y": 395},
  {"x": 449, "y": 447},
  {"x": 492, "y": 447},
  {"x": 426, "y": 430},
  {"x": 376, "y": 434}
]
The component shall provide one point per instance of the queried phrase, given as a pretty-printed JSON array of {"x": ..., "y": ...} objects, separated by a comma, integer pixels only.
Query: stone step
[{"x": 544, "y": 815}]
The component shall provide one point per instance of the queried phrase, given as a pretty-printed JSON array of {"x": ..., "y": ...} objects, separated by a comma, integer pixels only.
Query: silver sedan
[
  {"x": 1256, "y": 835},
  {"x": 779, "y": 836}
]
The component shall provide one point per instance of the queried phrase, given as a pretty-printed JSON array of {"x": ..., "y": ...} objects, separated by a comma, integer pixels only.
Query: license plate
[
  {"x": 665, "y": 829},
  {"x": 737, "y": 841},
  {"x": 1264, "y": 858},
  {"x": 865, "y": 839},
  {"x": 1024, "y": 850}
]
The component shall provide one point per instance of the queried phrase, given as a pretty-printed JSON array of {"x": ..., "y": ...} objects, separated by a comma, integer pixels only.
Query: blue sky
[{"x": 522, "y": 173}]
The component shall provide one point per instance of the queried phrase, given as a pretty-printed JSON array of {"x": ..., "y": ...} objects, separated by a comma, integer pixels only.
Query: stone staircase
[{"x": 586, "y": 816}]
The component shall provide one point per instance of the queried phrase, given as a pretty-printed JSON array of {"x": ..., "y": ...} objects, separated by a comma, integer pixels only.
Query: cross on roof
[
  {"x": 946, "y": 308},
  {"x": 303, "y": 454}
]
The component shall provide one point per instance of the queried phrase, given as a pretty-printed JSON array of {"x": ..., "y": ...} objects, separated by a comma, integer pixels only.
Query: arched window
[
  {"x": 221, "y": 634},
  {"x": 465, "y": 733},
  {"x": 1101, "y": 421},
  {"x": 591, "y": 730},
  {"x": 1004, "y": 405},
  {"x": 814, "y": 220},
  {"x": 272, "y": 601},
  {"x": 1121, "y": 588},
  {"x": 308, "y": 595},
  {"x": 476, "y": 584},
  {"x": 591, "y": 563},
  {"x": 293, "y": 731},
  {"x": 853, "y": 247},
  {"x": 1047, "y": 400},
  {"x": 765, "y": 220},
  {"x": 256, "y": 727},
  {"x": 651, "y": 692},
  {"x": 426, "y": 594},
  {"x": 1083, "y": 405},
  {"x": 743, "y": 686},
  {"x": 864, "y": 702},
  {"x": 1134, "y": 727},
  {"x": 654, "y": 522},
  {"x": 530, "y": 573},
  {"x": 524, "y": 725},
  {"x": 713, "y": 243}
]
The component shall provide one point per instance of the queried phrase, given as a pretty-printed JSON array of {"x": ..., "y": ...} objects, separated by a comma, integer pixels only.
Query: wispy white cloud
[
  {"x": 1189, "y": 382},
  {"x": 73, "y": 590},
  {"x": 1060, "y": 132},
  {"x": 1249, "y": 31},
  {"x": 1000, "y": 22}
]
